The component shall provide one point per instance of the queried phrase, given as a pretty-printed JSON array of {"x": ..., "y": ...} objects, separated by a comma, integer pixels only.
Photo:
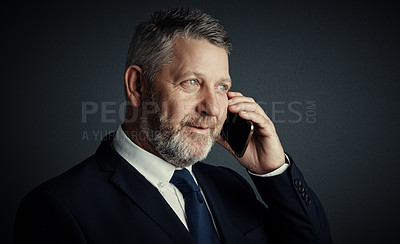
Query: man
[{"x": 135, "y": 188}]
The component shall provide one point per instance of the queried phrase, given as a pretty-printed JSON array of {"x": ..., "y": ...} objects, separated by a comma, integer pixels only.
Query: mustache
[{"x": 199, "y": 121}]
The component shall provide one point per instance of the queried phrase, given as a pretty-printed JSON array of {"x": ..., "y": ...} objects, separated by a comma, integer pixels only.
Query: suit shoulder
[{"x": 73, "y": 179}]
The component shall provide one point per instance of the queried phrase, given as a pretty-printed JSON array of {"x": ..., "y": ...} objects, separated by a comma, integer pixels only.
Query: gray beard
[{"x": 177, "y": 149}]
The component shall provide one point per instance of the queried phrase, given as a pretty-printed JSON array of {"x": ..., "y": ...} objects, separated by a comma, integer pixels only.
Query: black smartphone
[{"x": 237, "y": 132}]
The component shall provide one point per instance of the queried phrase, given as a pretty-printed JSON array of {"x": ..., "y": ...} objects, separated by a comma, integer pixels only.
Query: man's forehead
[{"x": 189, "y": 54}]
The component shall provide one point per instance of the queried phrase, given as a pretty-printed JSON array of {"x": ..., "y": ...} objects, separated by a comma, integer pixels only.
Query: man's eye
[
  {"x": 190, "y": 85},
  {"x": 223, "y": 88},
  {"x": 191, "y": 82}
]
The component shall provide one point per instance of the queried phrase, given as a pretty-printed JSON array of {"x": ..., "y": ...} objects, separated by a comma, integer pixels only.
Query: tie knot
[{"x": 184, "y": 181}]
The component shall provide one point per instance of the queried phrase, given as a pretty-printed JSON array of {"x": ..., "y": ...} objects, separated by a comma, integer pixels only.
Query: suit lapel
[
  {"x": 140, "y": 191},
  {"x": 226, "y": 230}
]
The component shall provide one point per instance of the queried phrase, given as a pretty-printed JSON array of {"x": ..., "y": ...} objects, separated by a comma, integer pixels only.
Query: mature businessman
[{"x": 145, "y": 183}]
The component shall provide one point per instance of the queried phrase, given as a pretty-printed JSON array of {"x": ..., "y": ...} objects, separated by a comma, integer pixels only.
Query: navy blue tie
[{"x": 198, "y": 217}]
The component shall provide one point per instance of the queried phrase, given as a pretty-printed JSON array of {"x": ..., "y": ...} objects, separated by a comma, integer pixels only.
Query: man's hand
[{"x": 264, "y": 152}]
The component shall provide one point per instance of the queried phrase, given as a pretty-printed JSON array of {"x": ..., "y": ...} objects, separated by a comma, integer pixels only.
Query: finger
[
  {"x": 238, "y": 103},
  {"x": 239, "y": 99},
  {"x": 261, "y": 122},
  {"x": 234, "y": 94},
  {"x": 247, "y": 106},
  {"x": 244, "y": 106},
  {"x": 236, "y": 97}
]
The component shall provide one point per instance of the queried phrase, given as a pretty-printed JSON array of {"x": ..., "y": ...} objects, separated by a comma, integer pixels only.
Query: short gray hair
[{"x": 151, "y": 45}]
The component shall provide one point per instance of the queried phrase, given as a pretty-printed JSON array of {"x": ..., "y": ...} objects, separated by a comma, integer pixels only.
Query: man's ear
[{"x": 134, "y": 84}]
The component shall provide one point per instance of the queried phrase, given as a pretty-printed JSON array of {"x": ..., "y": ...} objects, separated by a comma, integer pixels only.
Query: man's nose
[{"x": 209, "y": 104}]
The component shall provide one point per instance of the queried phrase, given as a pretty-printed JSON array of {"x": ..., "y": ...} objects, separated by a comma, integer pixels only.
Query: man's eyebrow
[
  {"x": 191, "y": 73},
  {"x": 199, "y": 74},
  {"x": 227, "y": 80}
]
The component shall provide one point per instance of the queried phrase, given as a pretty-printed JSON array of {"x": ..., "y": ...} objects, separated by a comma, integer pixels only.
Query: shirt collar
[{"x": 155, "y": 169}]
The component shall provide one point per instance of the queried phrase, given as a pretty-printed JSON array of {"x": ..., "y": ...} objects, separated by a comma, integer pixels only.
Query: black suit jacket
[{"x": 105, "y": 200}]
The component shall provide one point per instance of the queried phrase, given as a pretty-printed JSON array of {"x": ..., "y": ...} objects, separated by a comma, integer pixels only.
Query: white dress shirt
[
  {"x": 159, "y": 172},
  {"x": 156, "y": 170}
]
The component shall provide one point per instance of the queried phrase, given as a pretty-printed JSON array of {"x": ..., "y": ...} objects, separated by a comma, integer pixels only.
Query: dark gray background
[{"x": 341, "y": 57}]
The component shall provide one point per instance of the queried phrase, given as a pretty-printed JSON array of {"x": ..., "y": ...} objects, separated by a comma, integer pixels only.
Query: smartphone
[{"x": 237, "y": 132}]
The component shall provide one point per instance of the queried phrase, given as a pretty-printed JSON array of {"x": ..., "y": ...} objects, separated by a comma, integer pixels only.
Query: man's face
[{"x": 191, "y": 95}]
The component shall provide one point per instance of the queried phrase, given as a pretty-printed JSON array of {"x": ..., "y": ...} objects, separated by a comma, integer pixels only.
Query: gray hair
[{"x": 151, "y": 45}]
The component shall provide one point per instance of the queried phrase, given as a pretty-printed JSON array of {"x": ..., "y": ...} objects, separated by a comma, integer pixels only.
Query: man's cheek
[
  {"x": 171, "y": 115},
  {"x": 187, "y": 108}
]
